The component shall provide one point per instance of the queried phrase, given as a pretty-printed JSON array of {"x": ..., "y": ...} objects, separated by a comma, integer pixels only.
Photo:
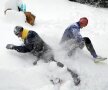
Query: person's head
[
  {"x": 83, "y": 22},
  {"x": 18, "y": 31}
]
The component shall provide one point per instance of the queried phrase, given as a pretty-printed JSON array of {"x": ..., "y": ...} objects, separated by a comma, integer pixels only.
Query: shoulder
[
  {"x": 75, "y": 25},
  {"x": 32, "y": 34},
  {"x": 72, "y": 26}
]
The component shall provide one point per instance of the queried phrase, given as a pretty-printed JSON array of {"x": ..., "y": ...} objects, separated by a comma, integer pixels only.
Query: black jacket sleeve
[{"x": 22, "y": 49}]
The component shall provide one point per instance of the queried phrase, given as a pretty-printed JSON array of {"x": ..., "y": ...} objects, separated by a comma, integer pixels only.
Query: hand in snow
[{"x": 10, "y": 46}]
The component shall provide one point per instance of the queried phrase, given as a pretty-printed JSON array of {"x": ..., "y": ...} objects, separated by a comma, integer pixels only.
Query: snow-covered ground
[{"x": 52, "y": 17}]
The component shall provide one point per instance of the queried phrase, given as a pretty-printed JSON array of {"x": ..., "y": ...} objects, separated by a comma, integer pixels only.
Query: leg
[
  {"x": 74, "y": 75},
  {"x": 90, "y": 46},
  {"x": 35, "y": 62},
  {"x": 38, "y": 56}
]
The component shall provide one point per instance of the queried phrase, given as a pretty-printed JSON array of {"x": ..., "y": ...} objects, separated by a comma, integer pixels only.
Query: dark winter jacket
[{"x": 34, "y": 44}]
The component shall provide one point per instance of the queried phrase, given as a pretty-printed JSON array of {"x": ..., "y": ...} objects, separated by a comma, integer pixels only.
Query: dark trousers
[{"x": 90, "y": 47}]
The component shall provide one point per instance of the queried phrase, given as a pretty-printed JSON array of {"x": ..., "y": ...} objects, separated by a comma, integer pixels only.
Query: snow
[{"x": 52, "y": 17}]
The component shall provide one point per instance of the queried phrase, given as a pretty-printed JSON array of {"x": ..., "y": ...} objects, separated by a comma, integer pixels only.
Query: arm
[
  {"x": 25, "y": 48},
  {"x": 76, "y": 34},
  {"x": 78, "y": 38},
  {"x": 21, "y": 49}
]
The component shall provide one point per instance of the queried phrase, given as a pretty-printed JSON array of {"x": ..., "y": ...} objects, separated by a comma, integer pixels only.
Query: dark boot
[{"x": 74, "y": 76}]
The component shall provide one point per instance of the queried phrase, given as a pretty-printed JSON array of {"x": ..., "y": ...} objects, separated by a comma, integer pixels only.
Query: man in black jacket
[{"x": 34, "y": 44}]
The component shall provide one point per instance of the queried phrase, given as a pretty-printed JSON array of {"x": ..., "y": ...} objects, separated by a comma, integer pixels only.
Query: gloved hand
[
  {"x": 81, "y": 45},
  {"x": 10, "y": 46}
]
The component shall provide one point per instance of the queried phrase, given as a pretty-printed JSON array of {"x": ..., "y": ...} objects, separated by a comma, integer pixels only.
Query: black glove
[{"x": 10, "y": 46}]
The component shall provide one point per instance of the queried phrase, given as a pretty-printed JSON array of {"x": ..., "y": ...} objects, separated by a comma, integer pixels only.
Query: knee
[{"x": 87, "y": 40}]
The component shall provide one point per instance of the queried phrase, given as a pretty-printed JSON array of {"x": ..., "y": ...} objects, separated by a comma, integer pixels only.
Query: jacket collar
[
  {"x": 78, "y": 24},
  {"x": 24, "y": 34}
]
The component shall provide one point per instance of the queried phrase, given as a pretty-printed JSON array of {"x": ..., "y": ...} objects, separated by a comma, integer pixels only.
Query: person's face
[
  {"x": 83, "y": 24},
  {"x": 19, "y": 34}
]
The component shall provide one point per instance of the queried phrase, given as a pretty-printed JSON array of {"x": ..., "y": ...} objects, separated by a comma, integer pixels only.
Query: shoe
[
  {"x": 56, "y": 81},
  {"x": 99, "y": 58}
]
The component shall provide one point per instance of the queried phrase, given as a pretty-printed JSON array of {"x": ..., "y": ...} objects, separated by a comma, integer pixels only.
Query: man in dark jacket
[
  {"x": 34, "y": 44},
  {"x": 73, "y": 39}
]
